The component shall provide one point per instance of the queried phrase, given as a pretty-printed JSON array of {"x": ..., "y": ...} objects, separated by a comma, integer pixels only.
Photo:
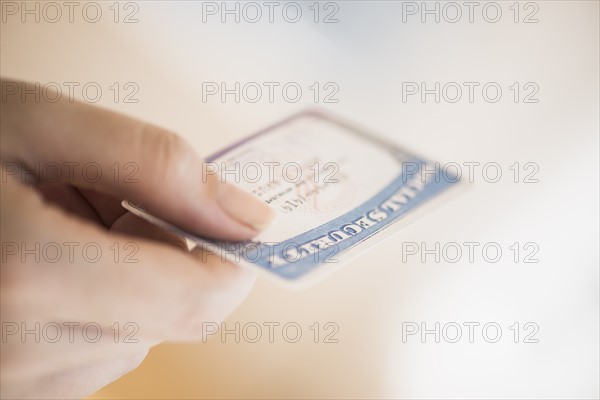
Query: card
[{"x": 336, "y": 190}]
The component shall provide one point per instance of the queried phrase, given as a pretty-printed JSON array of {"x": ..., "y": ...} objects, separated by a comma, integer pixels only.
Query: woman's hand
[{"x": 73, "y": 260}]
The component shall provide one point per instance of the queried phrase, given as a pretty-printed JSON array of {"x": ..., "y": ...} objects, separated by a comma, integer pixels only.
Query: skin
[{"x": 168, "y": 292}]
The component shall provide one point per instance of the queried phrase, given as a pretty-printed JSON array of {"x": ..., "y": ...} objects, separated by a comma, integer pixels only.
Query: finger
[
  {"x": 167, "y": 293},
  {"x": 77, "y": 382},
  {"x": 84, "y": 381},
  {"x": 127, "y": 158},
  {"x": 33, "y": 349},
  {"x": 129, "y": 224},
  {"x": 117, "y": 219},
  {"x": 108, "y": 208},
  {"x": 68, "y": 198}
]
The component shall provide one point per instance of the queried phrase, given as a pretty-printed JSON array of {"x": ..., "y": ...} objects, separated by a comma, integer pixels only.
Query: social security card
[{"x": 335, "y": 188}]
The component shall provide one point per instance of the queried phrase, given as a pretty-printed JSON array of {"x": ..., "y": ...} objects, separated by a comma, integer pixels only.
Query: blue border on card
[{"x": 292, "y": 258}]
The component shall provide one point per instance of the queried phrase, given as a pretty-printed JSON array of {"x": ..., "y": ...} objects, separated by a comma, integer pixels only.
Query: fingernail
[{"x": 245, "y": 207}]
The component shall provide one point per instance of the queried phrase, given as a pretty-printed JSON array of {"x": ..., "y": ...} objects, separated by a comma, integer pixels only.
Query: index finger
[{"x": 168, "y": 293}]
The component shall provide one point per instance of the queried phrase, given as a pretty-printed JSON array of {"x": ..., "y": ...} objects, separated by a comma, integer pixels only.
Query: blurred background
[{"x": 365, "y": 59}]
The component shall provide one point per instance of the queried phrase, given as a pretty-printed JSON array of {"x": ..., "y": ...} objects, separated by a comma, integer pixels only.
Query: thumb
[{"x": 99, "y": 149}]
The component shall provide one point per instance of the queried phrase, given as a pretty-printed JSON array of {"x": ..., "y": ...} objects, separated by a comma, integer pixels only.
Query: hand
[{"x": 144, "y": 277}]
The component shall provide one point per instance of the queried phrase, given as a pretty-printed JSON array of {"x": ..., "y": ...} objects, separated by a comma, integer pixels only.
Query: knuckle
[
  {"x": 172, "y": 157},
  {"x": 190, "y": 319},
  {"x": 223, "y": 290},
  {"x": 19, "y": 284},
  {"x": 133, "y": 361}
]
